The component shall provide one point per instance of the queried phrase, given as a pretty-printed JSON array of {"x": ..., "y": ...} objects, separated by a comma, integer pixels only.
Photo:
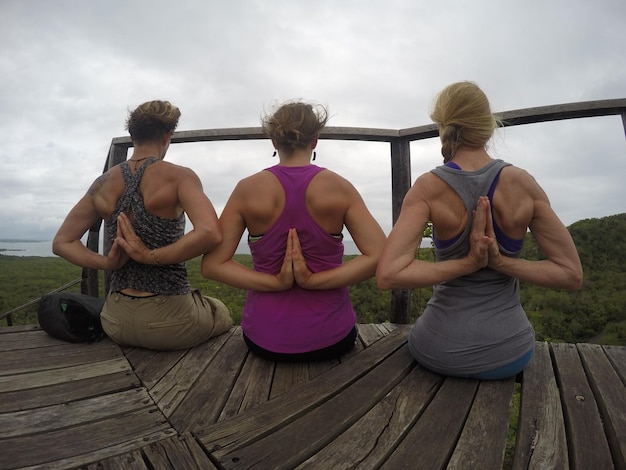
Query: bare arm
[
  {"x": 219, "y": 265},
  {"x": 398, "y": 267},
  {"x": 205, "y": 235},
  {"x": 562, "y": 268},
  {"x": 67, "y": 241},
  {"x": 369, "y": 238}
]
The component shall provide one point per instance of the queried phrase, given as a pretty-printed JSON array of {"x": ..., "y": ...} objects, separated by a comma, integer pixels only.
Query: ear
[{"x": 314, "y": 142}]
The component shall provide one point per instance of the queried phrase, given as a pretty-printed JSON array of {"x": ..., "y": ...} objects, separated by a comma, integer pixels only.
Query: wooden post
[
  {"x": 89, "y": 286},
  {"x": 400, "y": 184}
]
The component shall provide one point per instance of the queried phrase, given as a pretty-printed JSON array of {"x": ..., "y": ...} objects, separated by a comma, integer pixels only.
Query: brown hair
[
  {"x": 151, "y": 120},
  {"x": 463, "y": 116},
  {"x": 295, "y": 125}
]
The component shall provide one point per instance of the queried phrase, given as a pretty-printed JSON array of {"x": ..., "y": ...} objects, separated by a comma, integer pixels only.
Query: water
[
  {"x": 26, "y": 248},
  {"x": 44, "y": 248}
]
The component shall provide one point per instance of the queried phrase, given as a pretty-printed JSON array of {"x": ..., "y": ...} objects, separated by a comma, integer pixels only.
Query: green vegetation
[{"x": 595, "y": 314}]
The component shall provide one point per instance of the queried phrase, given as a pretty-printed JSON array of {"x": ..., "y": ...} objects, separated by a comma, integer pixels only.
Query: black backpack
[{"x": 71, "y": 316}]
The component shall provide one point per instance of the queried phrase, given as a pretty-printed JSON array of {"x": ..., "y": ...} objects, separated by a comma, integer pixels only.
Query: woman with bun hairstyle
[
  {"x": 298, "y": 305},
  {"x": 480, "y": 209}
]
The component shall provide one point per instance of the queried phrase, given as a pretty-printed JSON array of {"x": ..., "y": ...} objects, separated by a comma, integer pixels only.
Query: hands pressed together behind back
[
  {"x": 294, "y": 268},
  {"x": 484, "y": 250}
]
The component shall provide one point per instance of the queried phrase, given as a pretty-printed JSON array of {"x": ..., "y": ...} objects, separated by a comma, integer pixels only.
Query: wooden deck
[{"x": 99, "y": 406}]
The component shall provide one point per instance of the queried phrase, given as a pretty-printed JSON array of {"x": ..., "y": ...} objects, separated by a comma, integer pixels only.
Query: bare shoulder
[
  {"x": 106, "y": 181},
  {"x": 174, "y": 169},
  {"x": 513, "y": 176},
  {"x": 257, "y": 182},
  {"x": 329, "y": 181},
  {"x": 428, "y": 186}
]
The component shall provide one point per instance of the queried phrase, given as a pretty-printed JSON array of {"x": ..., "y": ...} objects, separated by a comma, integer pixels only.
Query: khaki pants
[{"x": 164, "y": 322}]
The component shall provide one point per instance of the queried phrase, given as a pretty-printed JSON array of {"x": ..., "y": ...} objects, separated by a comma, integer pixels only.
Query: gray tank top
[
  {"x": 155, "y": 232},
  {"x": 474, "y": 323}
]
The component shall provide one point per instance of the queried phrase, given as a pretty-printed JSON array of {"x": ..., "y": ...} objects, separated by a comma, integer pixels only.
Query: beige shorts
[{"x": 164, "y": 322}]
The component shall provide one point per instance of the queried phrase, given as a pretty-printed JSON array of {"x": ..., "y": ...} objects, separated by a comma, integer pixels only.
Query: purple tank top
[{"x": 297, "y": 320}]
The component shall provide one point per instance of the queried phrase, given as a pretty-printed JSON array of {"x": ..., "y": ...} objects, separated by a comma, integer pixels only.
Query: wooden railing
[{"x": 399, "y": 141}]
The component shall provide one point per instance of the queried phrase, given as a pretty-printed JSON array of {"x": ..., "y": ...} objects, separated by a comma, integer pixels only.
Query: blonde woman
[
  {"x": 481, "y": 208},
  {"x": 144, "y": 201}
]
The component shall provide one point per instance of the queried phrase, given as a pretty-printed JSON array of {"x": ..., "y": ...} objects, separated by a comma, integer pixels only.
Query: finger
[
  {"x": 296, "y": 242},
  {"x": 289, "y": 248},
  {"x": 489, "y": 222}
]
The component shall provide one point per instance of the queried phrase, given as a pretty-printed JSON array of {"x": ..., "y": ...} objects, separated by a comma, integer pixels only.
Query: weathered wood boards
[{"x": 217, "y": 406}]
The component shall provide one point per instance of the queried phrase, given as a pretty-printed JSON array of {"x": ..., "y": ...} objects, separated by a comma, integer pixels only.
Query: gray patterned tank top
[{"x": 155, "y": 232}]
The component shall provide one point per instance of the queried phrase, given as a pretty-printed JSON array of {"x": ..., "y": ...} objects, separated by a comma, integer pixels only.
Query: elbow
[
  {"x": 205, "y": 267},
  {"x": 215, "y": 237},
  {"x": 210, "y": 239},
  {"x": 57, "y": 247},
  {"x": 383, "y": 284},
  {"x": 575, "y": 281},
  {"x": 384, "y": 280}
]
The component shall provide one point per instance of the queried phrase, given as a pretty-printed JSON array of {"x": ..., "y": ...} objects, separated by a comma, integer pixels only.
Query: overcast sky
[{"x": 71, "y": 70}]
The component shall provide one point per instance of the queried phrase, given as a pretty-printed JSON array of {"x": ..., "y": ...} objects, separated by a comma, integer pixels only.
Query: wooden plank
[
  {"x": 68, "y": 374},
  {"x": 74, "y": 413},
  {"x": 431, "y": 441},
  {"x": 125, "y": 455},
  {"x": 30, "y": 339},
  {"x": 251, "y": 388},
  {"x": 151, "y": 366},
  {"x": 293, "y": 443},
  {"x": 131, "y": 461},
  {"x": 390, "y": 326},
  {"x": 58, "y": 355},
  {"x": 541, "y": 441},
  {"x": 319, "y": 367},
  {"x": 177, "y": 453},
  {"x": 370, "y": 440},
  {"x": 287, "y": 375},
  {"x": 617, "y": 356},
  {"x": 65, "y": 392},
  {"x": 263, "y": 419},
  {"x": 369, "y": 333},
  {"x": 483, "y": 441},
  {"x": 171, "y": 390},
  {"x": 18, "y": 329},
  {"x": 610, "y": 394},
  {"x": 588, "y": 447},
  {"x": 203, "y": 405},
  {"x": 83, "y": 439}
]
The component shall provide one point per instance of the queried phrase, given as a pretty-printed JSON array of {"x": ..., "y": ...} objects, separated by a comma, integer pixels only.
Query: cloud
[{"x": 71, "y": 70}]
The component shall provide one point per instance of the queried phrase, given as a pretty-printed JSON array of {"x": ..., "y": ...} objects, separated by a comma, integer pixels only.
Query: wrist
[{"x": 153, "y": 257}]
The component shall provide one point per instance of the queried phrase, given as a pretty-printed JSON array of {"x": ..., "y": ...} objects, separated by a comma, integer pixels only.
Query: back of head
[
  {"x": 463, "y": 116},
  {"x": 152, "y": 120},
  {"x": 294, "y": 125}
]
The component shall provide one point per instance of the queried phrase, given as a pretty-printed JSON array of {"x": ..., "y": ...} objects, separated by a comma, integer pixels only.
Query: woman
[
  {"x": 150, "y": 303},
  {"x": 480, "y": 209},
  {"x": 298, "y": 304}
]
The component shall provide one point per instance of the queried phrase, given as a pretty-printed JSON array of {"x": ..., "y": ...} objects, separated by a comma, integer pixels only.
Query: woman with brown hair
[
  {"x": 298, "y": 304},
  {"x": 144, "y": 202},
  {"x": 480, "y": 208}
]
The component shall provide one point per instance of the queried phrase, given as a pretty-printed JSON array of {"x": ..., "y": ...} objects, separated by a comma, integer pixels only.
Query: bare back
[
  {"x": 328, "y": 198},
  {"x": 159, "y": 189},
  {"x": 513, "y": 203}
]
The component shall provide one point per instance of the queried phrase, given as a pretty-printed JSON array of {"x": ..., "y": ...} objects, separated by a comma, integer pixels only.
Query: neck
[
  {"x": 299, "y": 157},
  {"x": 147, "y": 150},
  {"x": 470, "y": 158}
]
